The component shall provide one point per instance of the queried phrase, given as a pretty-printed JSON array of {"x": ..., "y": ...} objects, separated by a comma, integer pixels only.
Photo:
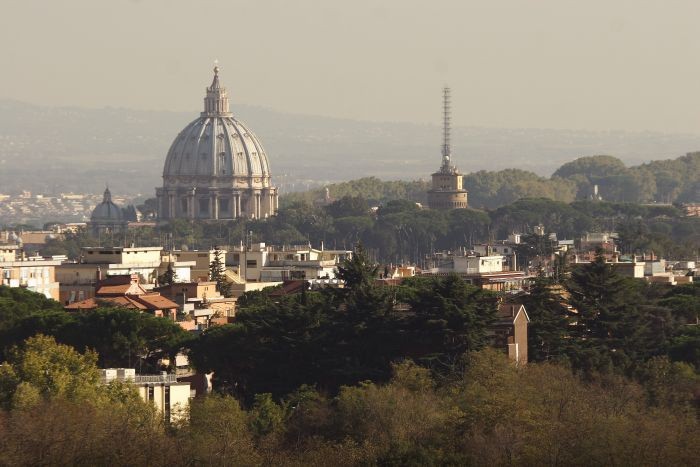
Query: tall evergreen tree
[
  {"x": 168, "y": 277},
  {"x": 217, "y": 269},
  {"x": 358, "y": 271},
  {"x": 549, "y": 320},
  {"x": 448, "y": 318},
  {"x": 608, "y": 321}
]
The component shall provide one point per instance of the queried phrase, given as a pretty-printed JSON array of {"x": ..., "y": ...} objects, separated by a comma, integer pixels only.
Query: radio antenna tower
[{"x": 446, "y": 150}]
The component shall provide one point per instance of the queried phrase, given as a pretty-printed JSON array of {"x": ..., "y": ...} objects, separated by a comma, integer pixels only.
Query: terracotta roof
[
  {"x": 92, "y": 303},
  {"x": 87, "y": 304},
  {"x": 156, "y": 301},
  {"x": 125, "y": 284},
  {"x": 289, "y": 287},
  {"x": 113, "y": 289},
  {"x": 128, "y": 302}
]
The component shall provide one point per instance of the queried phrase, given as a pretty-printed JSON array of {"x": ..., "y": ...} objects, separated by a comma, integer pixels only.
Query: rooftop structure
[
  {"x": 493, "y": 272},
  {"x": 262, "y": 263}
]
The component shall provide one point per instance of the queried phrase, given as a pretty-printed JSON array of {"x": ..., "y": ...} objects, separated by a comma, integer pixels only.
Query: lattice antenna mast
[{"x": 446, "y": 117}]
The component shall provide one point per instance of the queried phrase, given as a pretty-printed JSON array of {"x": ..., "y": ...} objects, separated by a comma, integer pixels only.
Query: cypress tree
[{"x": 216, "y": 273}]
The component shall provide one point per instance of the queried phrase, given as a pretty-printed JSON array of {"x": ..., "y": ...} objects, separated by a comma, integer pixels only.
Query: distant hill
[
  {"x": 661, "y": 181},
  {"x": 59, "y": 149}
]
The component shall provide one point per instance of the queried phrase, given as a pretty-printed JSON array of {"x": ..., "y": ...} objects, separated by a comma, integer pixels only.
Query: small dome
[{"x": 107, "y": 210}]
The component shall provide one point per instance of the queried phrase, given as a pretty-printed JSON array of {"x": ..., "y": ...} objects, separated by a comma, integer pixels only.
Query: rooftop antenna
[{"x": 446, "y": 150}]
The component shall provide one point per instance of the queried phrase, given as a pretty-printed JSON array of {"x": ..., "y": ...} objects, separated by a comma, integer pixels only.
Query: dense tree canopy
[
  {"x": 336, "y": 337},
  {"x": 122, "y": 338}
]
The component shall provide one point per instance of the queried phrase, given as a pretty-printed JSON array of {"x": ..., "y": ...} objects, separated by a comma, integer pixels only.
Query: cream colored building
[
  {"x": 491, "y": 272},
  {"x": 262, "y": 263},
  {"x": 201, "y": 301},
  {"x": 34, "y": 273},
  {"x": 200, "y": 260},
  {"x": 77, "y": 279}
]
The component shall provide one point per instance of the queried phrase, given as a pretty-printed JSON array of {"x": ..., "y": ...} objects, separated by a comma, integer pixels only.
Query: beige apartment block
[{"x": 34, "y": 273}]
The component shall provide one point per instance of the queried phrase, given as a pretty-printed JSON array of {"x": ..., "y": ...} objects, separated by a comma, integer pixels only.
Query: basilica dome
[{"x": 216, "y": 168}]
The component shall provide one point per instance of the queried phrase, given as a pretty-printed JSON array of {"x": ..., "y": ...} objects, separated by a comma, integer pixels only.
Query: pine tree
[
  {"x": 357, "y": 272},
  {"x": 609, "y": 327},
  {"x": 549, "y": 320},
  {"x": 168, "y": 277}
]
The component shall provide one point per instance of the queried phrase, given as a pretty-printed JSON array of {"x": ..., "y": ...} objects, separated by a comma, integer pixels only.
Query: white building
[
  {"x": 460, "y": 263},
  {"x": 261, "y": 263},
  {"x": 170, "y": 397},
  {"x": 489, "y": 272}
]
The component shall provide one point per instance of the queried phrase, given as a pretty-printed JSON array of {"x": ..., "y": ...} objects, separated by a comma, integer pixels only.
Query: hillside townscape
[{"x": 241, "y": 285}]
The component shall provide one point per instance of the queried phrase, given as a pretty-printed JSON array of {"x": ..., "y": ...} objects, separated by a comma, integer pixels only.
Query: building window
[
  {"x": 204, "y": 206},
  {"x": 252, "y": 263},
  {"x": 223, "y": 205}
]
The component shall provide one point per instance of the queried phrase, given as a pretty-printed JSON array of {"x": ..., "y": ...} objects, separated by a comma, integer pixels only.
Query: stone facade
[{"x": 447, "y": 191}]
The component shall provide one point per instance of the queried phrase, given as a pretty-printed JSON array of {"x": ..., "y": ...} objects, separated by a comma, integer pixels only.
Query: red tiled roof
[
  {"x": 87, "y": 304},
  {"x": 289, "y": 287},
  {"x": 113, "y": 289},
  {"x": 156, "y": 301},
  {"x": 128, "y": 302},
  {"x": 92, "y": 303}
]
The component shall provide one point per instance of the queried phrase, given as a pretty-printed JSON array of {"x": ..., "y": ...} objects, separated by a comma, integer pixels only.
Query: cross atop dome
[
  {"x": 216, "y": 100},
  {"x": 215, "y": 84}
]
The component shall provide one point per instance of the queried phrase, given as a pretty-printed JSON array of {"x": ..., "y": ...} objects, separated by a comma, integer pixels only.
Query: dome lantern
[{"x": 216, "y": 99}]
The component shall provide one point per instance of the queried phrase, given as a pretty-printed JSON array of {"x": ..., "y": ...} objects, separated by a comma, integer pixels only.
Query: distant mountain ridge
[{"x": 59, "y": 149}]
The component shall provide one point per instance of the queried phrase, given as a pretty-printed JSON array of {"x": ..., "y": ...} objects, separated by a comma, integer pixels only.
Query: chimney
[{"x": 98, "y": 274}]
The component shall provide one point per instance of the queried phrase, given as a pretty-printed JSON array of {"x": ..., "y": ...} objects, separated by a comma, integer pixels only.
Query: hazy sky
[{"x": 593, "y": 64}]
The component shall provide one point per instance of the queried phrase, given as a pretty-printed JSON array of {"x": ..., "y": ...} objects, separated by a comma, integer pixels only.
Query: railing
[
  {"x": 155, "y": 379},
  {"x": 139, "y": 379},
  {"x": 305, "y": 263}
]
